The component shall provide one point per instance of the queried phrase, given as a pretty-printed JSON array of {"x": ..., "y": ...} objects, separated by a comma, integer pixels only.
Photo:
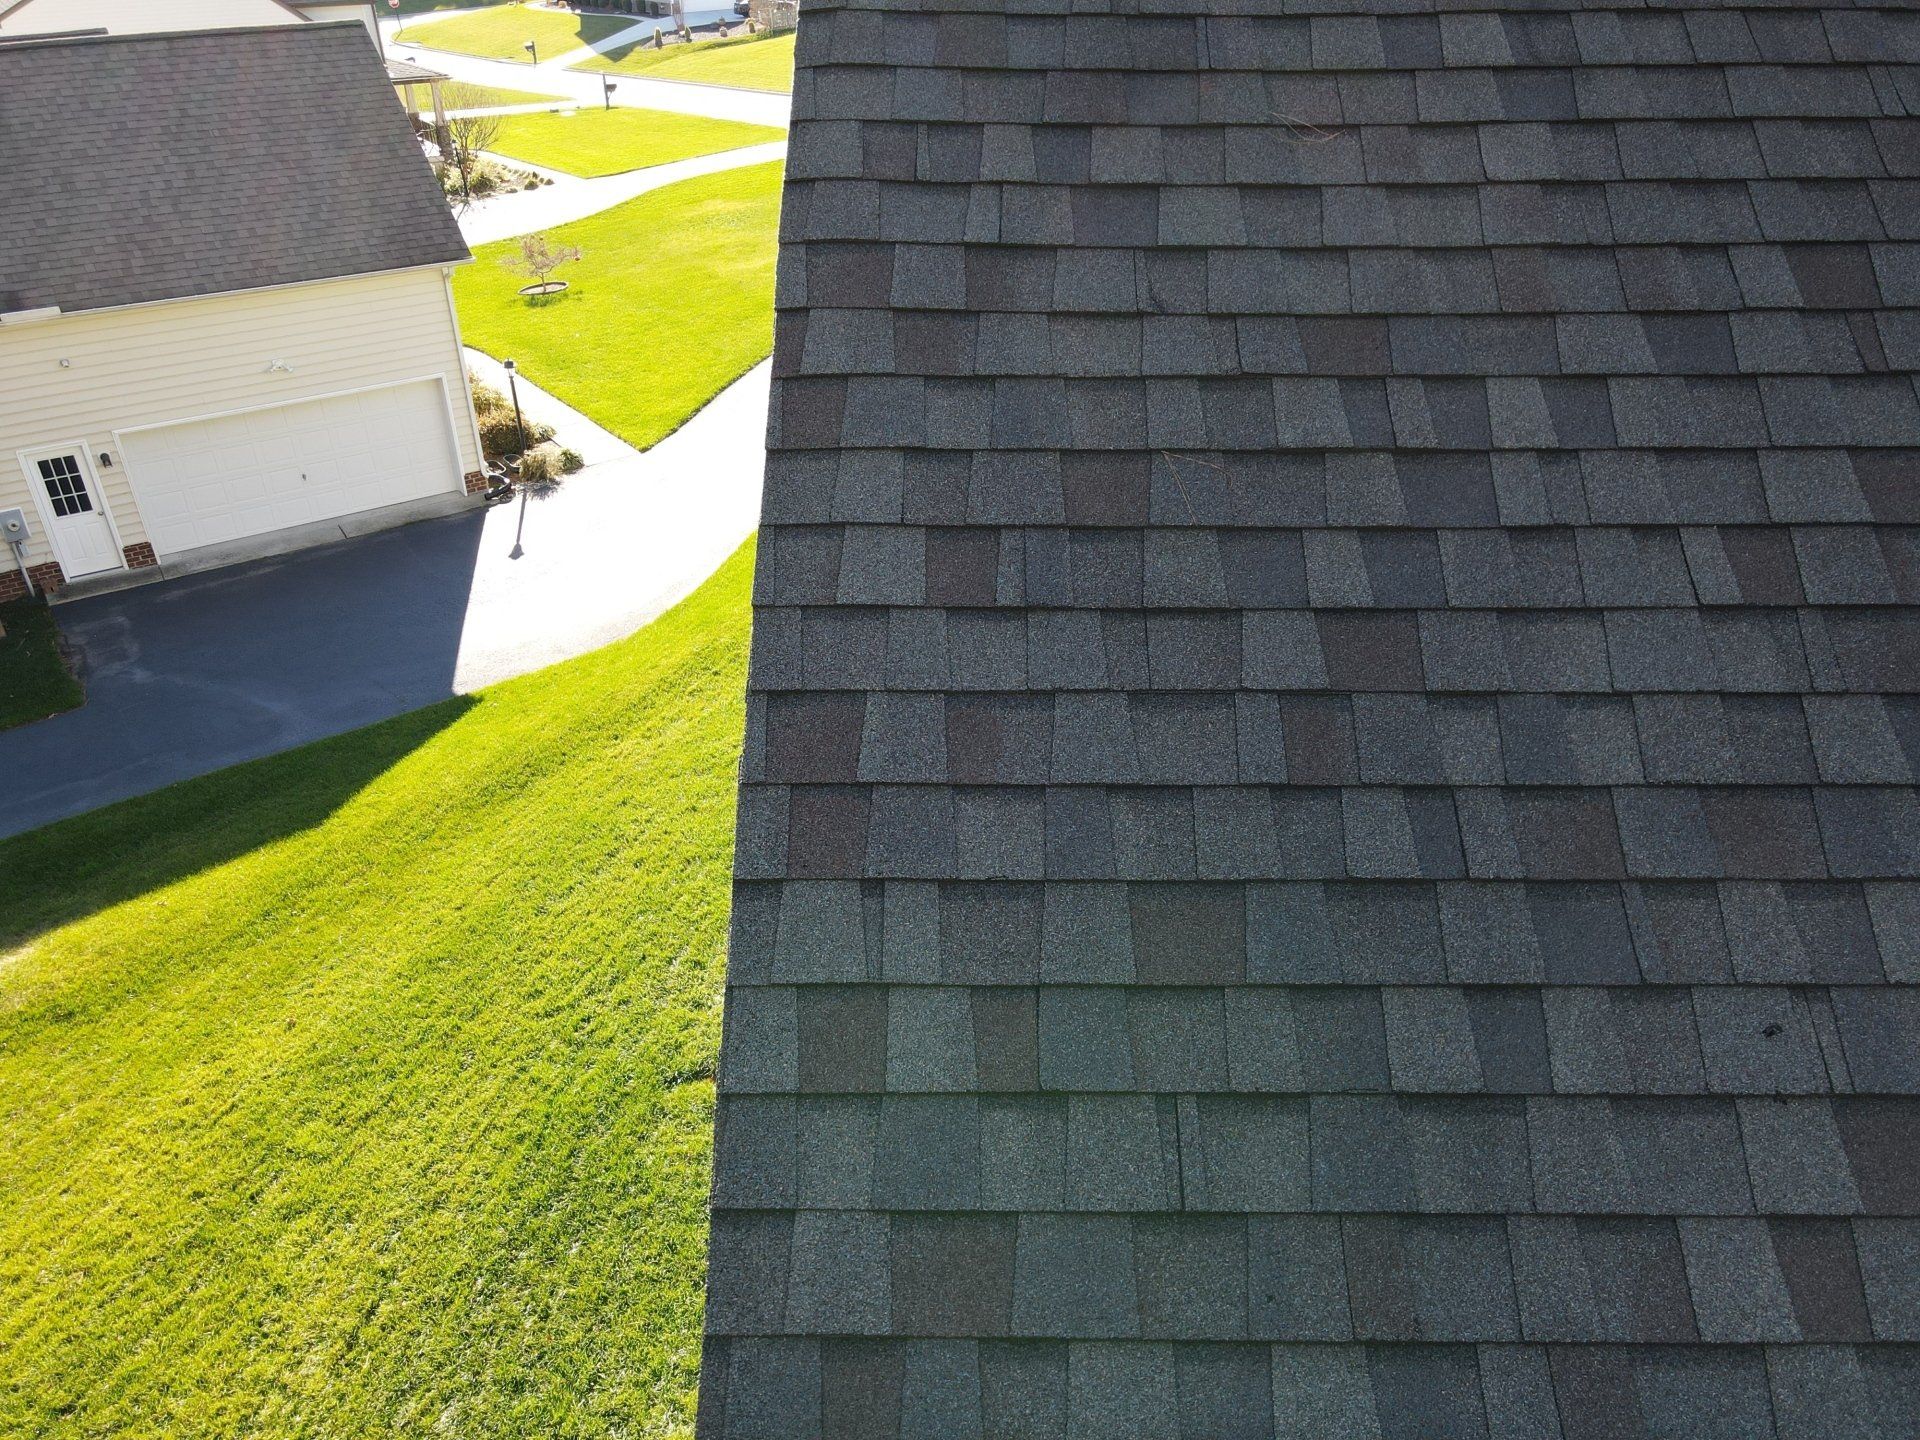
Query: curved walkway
[
  {"x": 573, "y": 198},
  {"x": 554, "y": 77}
]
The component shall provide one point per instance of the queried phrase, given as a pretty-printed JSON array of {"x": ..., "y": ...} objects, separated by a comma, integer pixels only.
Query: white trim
[
  {"x": 466, "y": 389},
  {"x": 440, "y": 265},
  {"x": 128, "y": 469},
  {"x": 438, "y": 375},
  {"x": 98, "y": 492}
]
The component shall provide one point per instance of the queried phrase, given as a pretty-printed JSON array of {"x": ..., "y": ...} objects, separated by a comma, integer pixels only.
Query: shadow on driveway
[
  {"x": 88, "y": 864},
  {"x": 195, "y": 674}
]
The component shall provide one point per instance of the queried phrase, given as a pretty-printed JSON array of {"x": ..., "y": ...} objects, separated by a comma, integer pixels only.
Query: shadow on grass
[
  {"x": 76, "y": 868},
  {"x": 34, "y": 679}
]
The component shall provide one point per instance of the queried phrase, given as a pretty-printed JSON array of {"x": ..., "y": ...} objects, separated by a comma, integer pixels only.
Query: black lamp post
[
  {"x": 520, "y": 525},
  {"x": 518, "y": 423}
]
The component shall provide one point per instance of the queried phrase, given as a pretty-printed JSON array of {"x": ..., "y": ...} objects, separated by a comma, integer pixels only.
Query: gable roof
[
  {"x": 122, "y": 17},
  {"x": 157, "y": 167},
  {"x": 1327, "y": 835}
]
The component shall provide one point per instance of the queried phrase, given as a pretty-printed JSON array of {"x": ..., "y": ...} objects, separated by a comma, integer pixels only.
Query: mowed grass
[
  {"x": 425, "y": 7},
  {"x": 671, "y": 301},
  {"x": 463, "y": 95},
  {"x": 747, "y": 62},
  {"x": 501, "y": 32},
  {"x": 606, "y": 142},
  {"x": 365, "y": 1090},
  {"x": 34, "y": 679}
]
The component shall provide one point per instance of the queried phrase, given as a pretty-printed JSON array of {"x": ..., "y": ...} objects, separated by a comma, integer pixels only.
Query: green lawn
[
  {"x": 749, "y": 62},
  {"x": 34, "y": 680},
  {"x": 500, "y": 33},
  {"x": 605, "y": 142},
  {"x": 366, "y": 1090},
  {"x": 672, "y": 301},
  {"x": 425, "y": 7},
  {"x": 461, "y": 95}
]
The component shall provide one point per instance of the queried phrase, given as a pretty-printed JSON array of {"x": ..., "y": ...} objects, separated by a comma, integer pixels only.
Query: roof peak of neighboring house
[
  {"x": 16, "y": 6},
  {"x": 174, "y": 164},
  {"x": 55, "y": 38}
]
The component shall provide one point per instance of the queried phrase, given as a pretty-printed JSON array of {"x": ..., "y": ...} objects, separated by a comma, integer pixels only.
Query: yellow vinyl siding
[{"x": 193, "y": 358}]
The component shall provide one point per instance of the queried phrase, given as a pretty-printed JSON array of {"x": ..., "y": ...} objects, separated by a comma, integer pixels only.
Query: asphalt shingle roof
[
  {"x": 1328, "y": 838},
  {"x": 162, "y": 166}
]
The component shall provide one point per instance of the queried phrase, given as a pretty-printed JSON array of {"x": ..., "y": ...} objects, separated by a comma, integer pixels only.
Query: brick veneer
[
  {"x": 46, "y": 579},
  {"x": 138, "y": 557},
  {"x": 476, "y": 482}
]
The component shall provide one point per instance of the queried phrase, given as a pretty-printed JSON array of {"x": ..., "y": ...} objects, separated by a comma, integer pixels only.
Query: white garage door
[{"x": 207, "y": 481}]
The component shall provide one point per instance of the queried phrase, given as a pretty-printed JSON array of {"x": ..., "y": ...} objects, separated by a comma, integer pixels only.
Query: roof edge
[{"x": 102, "y": 37}]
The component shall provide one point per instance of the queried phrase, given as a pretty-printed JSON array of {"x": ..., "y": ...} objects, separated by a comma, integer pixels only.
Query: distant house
[
  {"x": 226, "y": 322},
  {"x": 418, "y": 87},
  {"x": 136, "y": 17}
]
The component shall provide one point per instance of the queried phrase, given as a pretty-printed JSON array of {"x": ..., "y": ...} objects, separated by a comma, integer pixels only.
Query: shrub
[
  {"x": 570, "y": 461},
  {"x": 500, "y": 436},
  {"x": 485, "y": 397},
  {"x": 543, "y": 464}
]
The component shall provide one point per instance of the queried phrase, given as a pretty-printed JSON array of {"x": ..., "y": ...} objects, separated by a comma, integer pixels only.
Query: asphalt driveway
[{"x": 194, "y": 674}]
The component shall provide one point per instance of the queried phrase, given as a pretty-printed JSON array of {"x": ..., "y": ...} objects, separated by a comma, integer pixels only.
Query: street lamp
[
  {"x": 521, "y": 425},
  {"x": 529, "y": 48},
  {"x": 607, "y": 87}
]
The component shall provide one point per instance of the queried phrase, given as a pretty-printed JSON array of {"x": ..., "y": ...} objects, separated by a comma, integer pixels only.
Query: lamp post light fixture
[
  {"x": 531, "y": 50},
  {"x": 521, "y": 425}
]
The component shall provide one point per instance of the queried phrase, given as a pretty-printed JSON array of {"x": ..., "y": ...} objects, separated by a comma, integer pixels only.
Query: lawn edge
[{"x": 669, "y": 80}]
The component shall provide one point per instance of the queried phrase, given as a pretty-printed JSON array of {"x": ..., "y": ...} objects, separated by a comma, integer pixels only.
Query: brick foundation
[
  {"x": 476, "y": 482},
  {"x": 46, "y": 578},
  {"x": 138, "y": 557}
]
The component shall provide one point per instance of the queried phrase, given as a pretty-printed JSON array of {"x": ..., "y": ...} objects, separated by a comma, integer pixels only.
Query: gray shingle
[{"x": 1439, "y": 684}]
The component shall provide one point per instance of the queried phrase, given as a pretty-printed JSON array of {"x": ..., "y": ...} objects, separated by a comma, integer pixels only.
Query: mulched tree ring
[{"x": 544, "y": 287}]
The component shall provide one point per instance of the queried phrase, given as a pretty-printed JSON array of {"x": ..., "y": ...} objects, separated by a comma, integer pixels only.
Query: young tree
[
  {"x": 540, "y": 257},
  {"x": 467, "y": 134}
]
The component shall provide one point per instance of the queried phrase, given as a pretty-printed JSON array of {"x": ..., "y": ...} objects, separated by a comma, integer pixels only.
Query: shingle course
[{"x": 1374, "y": 752}]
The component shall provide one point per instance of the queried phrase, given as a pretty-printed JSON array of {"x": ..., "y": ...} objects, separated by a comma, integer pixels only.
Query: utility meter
[{"x": 13, "y": 527}]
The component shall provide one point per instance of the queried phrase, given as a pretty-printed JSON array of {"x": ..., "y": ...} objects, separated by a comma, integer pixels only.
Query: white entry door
[
  {"x": 204, "y": 482},
  {"x": 75, "y": 515}
]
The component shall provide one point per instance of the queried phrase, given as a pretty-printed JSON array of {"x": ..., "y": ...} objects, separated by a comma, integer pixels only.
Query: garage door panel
[{"x": 210, "y": 481}]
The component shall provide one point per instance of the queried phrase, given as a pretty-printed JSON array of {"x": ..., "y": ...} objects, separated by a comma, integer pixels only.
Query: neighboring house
[
  {"x": 418, "y": 88},
  {"x": 222, "y": 320},
  {"x": 1327, "y": 833},
  {"x": 134, "y": 17}
]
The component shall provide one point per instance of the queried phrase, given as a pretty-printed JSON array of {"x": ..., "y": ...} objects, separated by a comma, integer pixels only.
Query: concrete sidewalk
[
  {"x": 555, "y": 77},
  {"x": 573, "y": 198}
]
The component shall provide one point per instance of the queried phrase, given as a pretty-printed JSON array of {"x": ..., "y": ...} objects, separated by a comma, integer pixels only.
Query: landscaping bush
[
  {"x": 570, "y": 461},
  {"x": 544, "y": 465},
  {"x": 485, "y": 397},
  {"x": 499, "y": 432},
  {"x": 500, "y": 436}
]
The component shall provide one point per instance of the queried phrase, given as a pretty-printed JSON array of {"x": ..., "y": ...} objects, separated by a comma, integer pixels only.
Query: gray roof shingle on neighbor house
[
  {"x": 163, "y": 166},
  {"x": 1329, "y": 840}
]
